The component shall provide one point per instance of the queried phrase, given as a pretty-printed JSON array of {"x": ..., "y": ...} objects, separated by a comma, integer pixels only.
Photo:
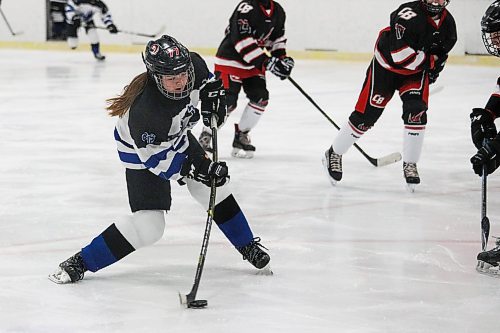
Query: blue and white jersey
[
  {"x": 85, "y": 9},
  {"x": 153, "y": 133}
]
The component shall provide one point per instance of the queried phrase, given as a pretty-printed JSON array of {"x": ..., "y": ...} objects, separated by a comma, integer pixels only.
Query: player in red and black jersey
[
  {"x": 409, "y": 55},
  {"x": 241, "y": 61}
]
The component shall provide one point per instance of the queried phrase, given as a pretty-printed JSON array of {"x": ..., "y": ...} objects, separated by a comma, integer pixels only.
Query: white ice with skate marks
[{"x": 364, "y": 256}]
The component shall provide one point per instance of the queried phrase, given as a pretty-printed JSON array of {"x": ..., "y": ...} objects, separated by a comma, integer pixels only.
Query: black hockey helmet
[
  {"x": 490, "y": 28},
  {"x": 434, "y": 8},
  {"x": 166, "y": 56}
]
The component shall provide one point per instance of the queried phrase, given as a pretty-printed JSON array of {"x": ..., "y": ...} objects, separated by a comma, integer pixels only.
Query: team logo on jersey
[
  {"x": 244, "y": 26},
  {"x": 154, "y": 49},
  {"x": 415, "y": 119},
  {"x": 244, "y": 8},
  {"x": 148, "y": 137},
  {"x": 378, "y": 99},
  {"x": 400, "y": 30}
]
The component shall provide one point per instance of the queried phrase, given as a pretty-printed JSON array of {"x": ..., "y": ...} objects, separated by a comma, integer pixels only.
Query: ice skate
[
  {"x": 99, "y": 56},
  {"x": 488, "y": 262},
  {"x": 256, "y": 256},
  {"x": 242, "y": 148},
  {"x": 69, "y": 271},
  {"x": 205, "y": 141},
  {"x": 410, "y": 173},
  {"x": 333, "y": 165}
]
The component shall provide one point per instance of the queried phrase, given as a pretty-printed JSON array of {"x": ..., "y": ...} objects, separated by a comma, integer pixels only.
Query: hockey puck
[{"x": 197, "y": 304}]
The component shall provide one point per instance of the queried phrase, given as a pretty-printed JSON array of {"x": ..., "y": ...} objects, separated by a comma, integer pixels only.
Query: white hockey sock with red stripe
[
  {"x": 251, "y": 116},
  {"x": 413, "y": 142},
  {"x": 346, "y": 137}
]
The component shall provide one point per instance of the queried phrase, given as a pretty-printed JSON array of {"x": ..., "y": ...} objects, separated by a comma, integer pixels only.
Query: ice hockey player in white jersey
[
  {"x": 155, "y": 114},
  {"x": 80, "y": 13},
  {"x": 484, "y": 132}
]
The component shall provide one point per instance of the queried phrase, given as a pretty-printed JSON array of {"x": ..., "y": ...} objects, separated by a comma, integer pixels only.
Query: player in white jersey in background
[{"x": 81, "y": 13}]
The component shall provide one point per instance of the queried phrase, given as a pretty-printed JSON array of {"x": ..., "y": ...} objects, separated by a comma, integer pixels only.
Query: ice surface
[{"x": 365, "y": 256}]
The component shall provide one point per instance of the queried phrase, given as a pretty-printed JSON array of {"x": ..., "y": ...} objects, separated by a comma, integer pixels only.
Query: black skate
[
  {"x": 255, "y": 255},
  {"x": 69, "y": 271},
  {"x": 488, "y": 262},
  {"x": 410, "y": 173},
  {"x": 242, "y": 148},
  {"x": 205, "y": 141},
  {"x": 99, "y": 56},
  {"x": 333, "y": 165}
]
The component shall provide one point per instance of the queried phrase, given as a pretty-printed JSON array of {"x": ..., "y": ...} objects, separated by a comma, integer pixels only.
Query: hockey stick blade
[
  {"x": 389, "y": 159},
  {"x": 485, "y": 232}
]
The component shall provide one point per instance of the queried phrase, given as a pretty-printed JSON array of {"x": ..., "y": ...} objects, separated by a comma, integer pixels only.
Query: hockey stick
[
  {"x": 8, "y": 25},
  {"x": 381, "y": 161},
  {"x": 190, "y": 299},
  {"x": 137, "y": 33},
  {"x": 485, "y": 221}
]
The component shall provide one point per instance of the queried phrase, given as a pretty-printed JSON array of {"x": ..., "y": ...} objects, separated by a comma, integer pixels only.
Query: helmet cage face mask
[
  {"x": 166, "y": 56},
  {"x": 176, "y": 95},
  {"x": 434, "y": 9},
  {"x": 490, "y": 29}
]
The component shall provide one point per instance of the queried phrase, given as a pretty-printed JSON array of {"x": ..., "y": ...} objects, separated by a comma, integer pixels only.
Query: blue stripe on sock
[
  {"x": 237, "y": 230},
  {"x": 97, "y": 255}
]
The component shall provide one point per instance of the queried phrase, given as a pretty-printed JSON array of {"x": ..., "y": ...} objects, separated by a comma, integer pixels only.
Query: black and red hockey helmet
[
  {"x": 167, "y": 56},
  {"x": 490, "y": 28},
  {"x": 435, "y": 7}
]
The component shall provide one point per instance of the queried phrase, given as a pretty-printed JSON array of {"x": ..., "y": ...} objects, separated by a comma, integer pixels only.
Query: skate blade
[
  {"x": 487, "y": 269},
  {"x": 332, "y": 181},
  {"x": 60, "y": 277},
  {"x": 240, "y": 153},
  {"x": 411, "y": 187},
  {"x": 266, "y": 270}
]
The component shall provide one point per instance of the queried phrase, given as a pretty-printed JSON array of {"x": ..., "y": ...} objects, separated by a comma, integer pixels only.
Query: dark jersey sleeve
[
  {"x": 278, "y": 39},
  {"x": 102, "y": 6},
  {"x": 241, "y": 24},
  {"x": 493, "y": 104}
]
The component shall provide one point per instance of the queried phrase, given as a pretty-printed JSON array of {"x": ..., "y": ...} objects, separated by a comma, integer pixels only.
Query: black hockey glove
[
  {"x": 438, "y": 68},
  {"x": 213, "y": 102},
  {"x": 281, "y": 67},
  {"x": 435, "y": 45},
  {"x": 200, "y": 168},
  {"x": 488, "y": 155},
  {"x": 481, "y": 126},
  {"x": 112, "y": 29},
  {"x": 76, "y": 21},
  {"x": 208, "y": 170}
]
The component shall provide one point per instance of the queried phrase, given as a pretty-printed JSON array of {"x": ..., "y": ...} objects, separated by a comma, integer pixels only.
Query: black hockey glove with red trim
[
  {"x": 213, "y": 102},
  {"x": 481, "y": 126},
  {"x": 488, "y": 155},
  {"x": 281, "y": 67}
]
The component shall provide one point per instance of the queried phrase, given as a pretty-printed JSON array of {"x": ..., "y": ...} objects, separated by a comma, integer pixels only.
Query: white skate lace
[
  {"x": 410, "y": 170},
  {"x": 334, "y": 161}
]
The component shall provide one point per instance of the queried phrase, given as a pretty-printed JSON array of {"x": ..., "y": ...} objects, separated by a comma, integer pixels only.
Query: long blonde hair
[{"x": 118, "y": 106}]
